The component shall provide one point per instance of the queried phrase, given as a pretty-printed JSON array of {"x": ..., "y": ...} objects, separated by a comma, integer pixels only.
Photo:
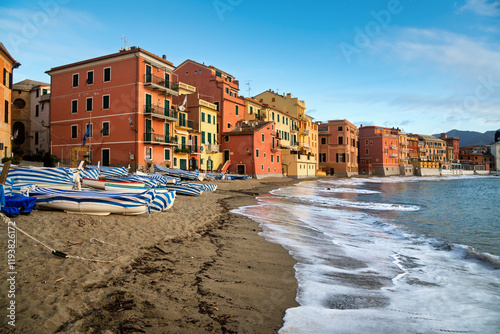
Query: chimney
[{"x": 164, "y": 57}]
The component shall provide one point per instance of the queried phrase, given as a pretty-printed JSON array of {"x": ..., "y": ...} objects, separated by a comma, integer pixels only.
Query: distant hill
[{"x": 469, "y": 138}]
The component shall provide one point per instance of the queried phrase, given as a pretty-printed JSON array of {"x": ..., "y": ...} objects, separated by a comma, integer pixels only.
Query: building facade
[
  {"x": 40, "y": 120},
  {"x": 116, "y": 109},
  {"x": 301, "y": 161},
  {"x": 7, "y": 66},
  {"x": 338, "y": 148},
  {"x": 378, "y": 151},
  {"x": 254, "y": 149}
]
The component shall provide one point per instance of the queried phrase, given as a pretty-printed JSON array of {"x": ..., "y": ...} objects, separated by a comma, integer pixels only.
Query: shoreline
[{"x": 197, "y": 268}]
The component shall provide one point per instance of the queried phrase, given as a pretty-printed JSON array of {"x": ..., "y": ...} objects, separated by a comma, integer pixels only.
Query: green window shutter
[
  {"x": 203, "y": 117},
  {"x": 203, "y": 137}
]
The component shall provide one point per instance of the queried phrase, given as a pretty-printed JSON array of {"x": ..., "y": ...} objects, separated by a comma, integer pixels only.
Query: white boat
[
  {"x": 94, "y": 202},
  {"x": 162, "y": 201},
  {"x": 100, "y": 184}
]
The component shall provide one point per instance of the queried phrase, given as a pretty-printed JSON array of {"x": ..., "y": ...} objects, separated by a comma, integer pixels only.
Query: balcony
[
  {"x": 294, "y": 129},
  {"x": 159, "y": 83},
  {"x": 153, "y": 138},
  {"x": 275, "y": 149},
  {"x": 393, "y": 155},
  {"x": 183, "y": 148},
  {"x": 161, "y": 112},
  {"x": 183, "y": 123},
  {"x": 303, "y": 131},
  {"x": 304, "y": 144},
  {"x": 393, "y": 147},
  {"x": 403, "y": 143},
  {"x": 404, "y": 150},
  {"x": 212, "y": 148}
]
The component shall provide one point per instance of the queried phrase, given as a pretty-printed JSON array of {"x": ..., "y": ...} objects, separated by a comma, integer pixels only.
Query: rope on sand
[{"x": 52, "y": 250}]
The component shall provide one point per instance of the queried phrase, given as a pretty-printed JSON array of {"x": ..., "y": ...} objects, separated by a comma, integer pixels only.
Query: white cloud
[{"x": 482, "y": 7}]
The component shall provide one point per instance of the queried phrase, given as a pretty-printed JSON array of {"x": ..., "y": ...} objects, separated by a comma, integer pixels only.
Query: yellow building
[
  {"x": 405, "y": 167},
  {"x": 7, "y": 64},
  {"x": 302, "y": 160},
  {"x": 196, "y": 132}
]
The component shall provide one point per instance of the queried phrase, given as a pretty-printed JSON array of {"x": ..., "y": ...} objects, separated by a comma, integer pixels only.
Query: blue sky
[{"x": 423, "y": 66}]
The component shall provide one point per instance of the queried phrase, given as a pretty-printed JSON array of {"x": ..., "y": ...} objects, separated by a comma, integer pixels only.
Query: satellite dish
[{"x": 181, "y": 108}]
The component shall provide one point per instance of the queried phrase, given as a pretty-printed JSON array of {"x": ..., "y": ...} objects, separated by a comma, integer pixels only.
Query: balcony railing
[
  {"x": 393, "y": 155},
  {"x": 155, "y": 82},
  {"x": 394, "y": 147},
  {"x": 183, "y": 148},
  {"x": 184, "y": 123},
  {"x": 294, "y": 128},
  {"x": 212, "y": 148},
  {"x": 152, "y": 137},
  {"x": 161, "y": 112},
  {"x": 275, "y": 149}
]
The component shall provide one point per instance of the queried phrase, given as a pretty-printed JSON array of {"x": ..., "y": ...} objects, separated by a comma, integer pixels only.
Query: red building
[
  {"x": 253, "y": 149},
  {"x": 124, "y": 100},
  {"x": 378, "y": 150},
  {"x": 220, "y": 87},
  {"x": 338, "y": 148},
  {"x": 453, "y": 146},
  {"x": 477, "y": 155}
]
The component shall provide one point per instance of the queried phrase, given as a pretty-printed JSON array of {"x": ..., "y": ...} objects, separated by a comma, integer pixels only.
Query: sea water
[{"x": 389, "y": 255}]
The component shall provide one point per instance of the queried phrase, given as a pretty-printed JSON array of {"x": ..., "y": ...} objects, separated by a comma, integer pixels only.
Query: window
[
  {"x": 105, "y": 128},
  {"x": 227, "y": 90},
  {"x": 37, "y": 93},
  {"x": 209, "y": 117},
  {"x": 187, "y": 73},
  {"x": 105, "y": 102},
  {"x": 203, "y": 137},
  {"x": 251, "y": 110},
  {"x": 257, "y": 153},
  {"x": 341, "y": 140},
  {"x": 166, "y": 154},
  {"x": 262, "y": 167},
  {"x": 272, "y": 158},
  {"x": 263, "y": 137},
  {"x": 37, "y": 107},
  {"x": 366, "y": 151},
  {"x": 203, "y": 117},
  {"x": 6, "y": 117},
  {"x": 273, "y": 116},
  {"x": 278, "y": 118},
  {"x": 215, "y": 141},
  {"x": 323, "y": 141},
  {"x": 148, "y": 153},
  {"x": 229, "y": 125},
  {"x": 75, "y": 80},
  {"x": 277, "y": 158},
  {"x": 74, "y": 106},
  {"x": 107, "y": 74},
  {"x": 237, "y": 110},
  {"x": 366, "y": 141},
  {"x": 175, "y": 161},
  {"x": 340, "y": 157},
  {"x": 226, "y": 139},
  {"x": 217, "y": 104},
  {"x": 36, "y": 138},
  {"x": 339, "y": 128},
  {"x": 90, "y": 78},
  {"x": 5, "y": 77},
  {"x": 209, "y": 137},
  {"x": 89, "y": 103},
  {"x": 74, "y": 131},
  {"x": 218, "y": 74}
]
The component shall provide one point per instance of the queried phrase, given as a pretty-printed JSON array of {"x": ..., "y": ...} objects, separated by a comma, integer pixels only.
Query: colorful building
[
  {"x": 254, "y": 149},
  {"x": 116, "y": 109},
  {"x": 302, "y": 161},
  {"x": 432, "y": 152},
  {"x": 7, "y": 64},
  {"x": 202, "y": 140},
  {"x": 338, "y": 148},
  {"x": 378, "y": 150},
  {"x": 452, "y": 147},
  {"x": 478, "y": 155},
  {"x": 220, "y": 87},
  {"x": 405, "y": 167}
]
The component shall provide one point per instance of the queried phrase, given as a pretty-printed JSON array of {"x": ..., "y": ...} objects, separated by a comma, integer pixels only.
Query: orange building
[
  {"x": 7, "y": 65},
  {"x": 123, "y": 101},
  {"x": 338, "y": 148},
  {"x": 254, "y": 149},
  {"x": 378, "y": 150}
]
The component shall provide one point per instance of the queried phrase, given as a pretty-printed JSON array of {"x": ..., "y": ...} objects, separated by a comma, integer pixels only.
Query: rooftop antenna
[
  {"x": 125, "y": 41},
  {"x": 249, "y": 89}
]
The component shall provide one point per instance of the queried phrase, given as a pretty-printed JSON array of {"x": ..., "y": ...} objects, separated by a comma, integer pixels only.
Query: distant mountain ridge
[{"x": 469, "y": 138}]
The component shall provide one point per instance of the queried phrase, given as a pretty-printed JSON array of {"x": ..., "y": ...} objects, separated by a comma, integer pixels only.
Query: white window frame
[
  {"x": 76, "y": 106},
  {"x": 87, "y": 79},
  {"x": 74, "y": 126},
  {"x": 109, "y": 129},
  {"x": 77, "y": 80},
  {"x": 109, "y": 102},
  {"x": 87, "y": 103},
  {"x": 150, "y": 149},
  {"x": 104, "y": 74}
]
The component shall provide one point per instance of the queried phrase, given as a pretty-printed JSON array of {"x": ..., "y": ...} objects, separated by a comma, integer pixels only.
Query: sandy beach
[{"x": 196, "y": 269}]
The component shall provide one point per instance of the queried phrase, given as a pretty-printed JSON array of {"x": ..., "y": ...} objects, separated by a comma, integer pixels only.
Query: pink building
[
  {"x": 254, "y": 149},
  {"x": 338, "y": 148},
  {"x": 378, "y": 150}
]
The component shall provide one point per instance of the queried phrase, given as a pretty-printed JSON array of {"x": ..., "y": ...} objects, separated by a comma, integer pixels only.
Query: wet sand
[{"x": 196, "y": 269}]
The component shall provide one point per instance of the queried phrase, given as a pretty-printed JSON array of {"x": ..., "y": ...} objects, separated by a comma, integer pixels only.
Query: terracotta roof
[
  {"x": 205, "y": 66},
  {"x": 247, "y": 128},
  {"x": 28, "y": 84},
  {"x": 15, "y": 64},
  {"x": 133, "y": 49}
]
